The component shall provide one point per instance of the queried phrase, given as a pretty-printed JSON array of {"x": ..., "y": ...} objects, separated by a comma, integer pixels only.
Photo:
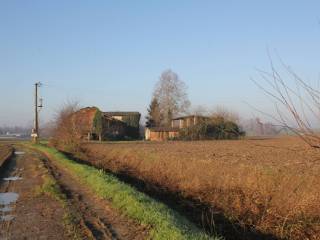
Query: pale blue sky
[{"x": 111, "y": 53}]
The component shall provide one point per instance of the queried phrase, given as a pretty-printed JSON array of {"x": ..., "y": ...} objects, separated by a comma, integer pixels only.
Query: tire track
[{"x": 97, "y": 219}]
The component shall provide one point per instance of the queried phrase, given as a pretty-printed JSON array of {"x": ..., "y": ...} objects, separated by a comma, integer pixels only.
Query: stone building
[
  {"x": 167, "y": 133},
  {"x": 161, "y": 133}
]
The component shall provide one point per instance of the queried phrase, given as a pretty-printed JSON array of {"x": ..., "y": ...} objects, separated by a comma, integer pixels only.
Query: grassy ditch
[
  {"x": 165, "y": 223},
  {"x": 6, "y": 152}
]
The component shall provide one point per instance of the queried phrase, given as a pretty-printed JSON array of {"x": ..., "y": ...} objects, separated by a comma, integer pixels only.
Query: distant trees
[
  {"x": 227, "y": 114},
  {"x": 256, "y": 127},
  {"x": 171, "y": 94},
  {"x": 25, "y": 131},
  {"x": 154, "y": 116}
]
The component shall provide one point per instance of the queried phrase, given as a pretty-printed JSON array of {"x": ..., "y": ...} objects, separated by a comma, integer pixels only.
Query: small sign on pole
[{"x": 34, "y": 135}]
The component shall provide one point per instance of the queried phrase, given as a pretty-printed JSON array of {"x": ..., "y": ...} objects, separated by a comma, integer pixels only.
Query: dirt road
[
  {"x": 25, "y": 214},
  {"x": 29, "y": 212}
]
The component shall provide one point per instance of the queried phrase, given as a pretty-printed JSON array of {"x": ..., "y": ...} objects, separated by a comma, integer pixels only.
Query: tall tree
[
  {"x": 171, "y": 93},
  {"x": 154, "y": 114}
]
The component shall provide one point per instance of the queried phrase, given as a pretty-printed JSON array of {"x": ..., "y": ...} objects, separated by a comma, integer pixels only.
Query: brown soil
[
  {"x": 35, "y": 216},
  {"x": 41, "y": 216},
  {"x": 266, "y": 185}
]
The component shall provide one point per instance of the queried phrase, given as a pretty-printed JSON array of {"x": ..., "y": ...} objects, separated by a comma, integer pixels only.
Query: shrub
[{"x": 214, "y": 128}]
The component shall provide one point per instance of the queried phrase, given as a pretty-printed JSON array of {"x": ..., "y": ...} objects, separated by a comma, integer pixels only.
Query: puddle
[
  {"x": 12, "y": 178},
  {"x": 8, "y": 198},
  {"x": 19, "y": 153},
  {"x": 6, "y": 218},
  {"x": 5, "y": 200},
  {"x": 6, "y": 209}
]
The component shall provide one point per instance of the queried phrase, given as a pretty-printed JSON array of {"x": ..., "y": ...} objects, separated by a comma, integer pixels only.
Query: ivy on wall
[
  {"x": 97, "y": 122},
  {"x": 132, "y": 120}
]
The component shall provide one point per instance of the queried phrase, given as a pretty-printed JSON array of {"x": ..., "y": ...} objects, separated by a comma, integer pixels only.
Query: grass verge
[
  {"x": 51, "y": 188},
  {"x": 165, "y": 223}
]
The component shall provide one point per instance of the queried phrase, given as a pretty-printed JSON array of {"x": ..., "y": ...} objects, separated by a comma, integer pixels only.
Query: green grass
[
  {"x": 165, "y": 223},
  {"x": 51, "y": 188}
]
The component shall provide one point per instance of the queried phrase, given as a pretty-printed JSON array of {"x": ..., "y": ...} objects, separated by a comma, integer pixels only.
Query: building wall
[
  {"x": 186, "y": 122},
  {"x": 147, "y": 134},
  {"x": 160, "y": 135},
  {"x": 113, "y": 129},
  {"x": 128, "y": 124},
  {"x": 117, "y": 117}
]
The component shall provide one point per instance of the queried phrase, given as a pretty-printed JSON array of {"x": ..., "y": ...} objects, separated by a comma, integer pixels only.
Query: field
[{"x": 249, "y": 189}]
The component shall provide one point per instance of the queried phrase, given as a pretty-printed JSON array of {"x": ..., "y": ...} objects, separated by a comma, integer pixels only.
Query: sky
[{"x": 110, "y": 54}]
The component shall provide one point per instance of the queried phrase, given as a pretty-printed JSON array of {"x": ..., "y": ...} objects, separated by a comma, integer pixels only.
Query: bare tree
[
  {"x": 199, "y": 110},
  {"x": 171, "y": 93},
  {"x": 296, "y": 102},
  {"x": 227, "y": 114},
  {"x": 65, "y": 132}
]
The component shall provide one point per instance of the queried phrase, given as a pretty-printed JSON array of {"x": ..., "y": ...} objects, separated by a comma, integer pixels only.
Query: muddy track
[
  {"x": 8, "y": 168},
  {"x": 96, "y": 218},
  {"x": 29, "y": 215}
]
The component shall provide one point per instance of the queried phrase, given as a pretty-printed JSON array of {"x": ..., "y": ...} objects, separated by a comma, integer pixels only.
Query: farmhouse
[
  {"x": 130, "y": 122},
  {"x": 92, "y": 124},
  {"x": 166, "y": 133}
]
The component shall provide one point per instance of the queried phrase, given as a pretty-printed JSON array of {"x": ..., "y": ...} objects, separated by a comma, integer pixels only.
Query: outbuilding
[{"x": 161, "y": 133}]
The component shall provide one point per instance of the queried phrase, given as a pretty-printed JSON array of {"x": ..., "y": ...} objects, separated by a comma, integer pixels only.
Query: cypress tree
[{"x": 154, "y": 114}]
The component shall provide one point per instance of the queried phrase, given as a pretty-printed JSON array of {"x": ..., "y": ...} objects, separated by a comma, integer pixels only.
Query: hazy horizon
[{"x": 111, "y": 54}]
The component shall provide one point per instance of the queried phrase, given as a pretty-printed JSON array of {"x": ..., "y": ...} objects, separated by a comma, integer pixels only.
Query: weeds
[{"x": 264, "y": 184}]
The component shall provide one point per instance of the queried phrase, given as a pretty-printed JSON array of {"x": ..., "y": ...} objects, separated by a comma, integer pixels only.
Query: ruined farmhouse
[
  {"x": 93, "y": 124},
  {"x": 172, "y": 132}
]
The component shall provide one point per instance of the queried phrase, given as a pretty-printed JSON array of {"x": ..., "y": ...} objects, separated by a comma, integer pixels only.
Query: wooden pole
[{"x": 35, "y": 132}]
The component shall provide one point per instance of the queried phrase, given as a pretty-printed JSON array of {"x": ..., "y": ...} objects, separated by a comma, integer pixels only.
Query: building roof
[
  {"x": 85, "y": 118},
  {"x": 163, "y": 129},
  {"x": 120, "y": 113},
  {"x": 189, "y": 116}
]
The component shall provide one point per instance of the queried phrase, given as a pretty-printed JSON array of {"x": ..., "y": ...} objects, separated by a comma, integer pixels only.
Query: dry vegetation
[
  {"x": 5, "y": 152},
  {"x": 271, "y": 185}
]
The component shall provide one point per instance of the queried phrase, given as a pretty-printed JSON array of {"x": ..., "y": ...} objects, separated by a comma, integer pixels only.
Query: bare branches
[
  {"x": 66, "y": 132},
  {"x": 226, "y": 113},
  {"x": 294, "y": 107},
  {"x": 171, "y": 92}
]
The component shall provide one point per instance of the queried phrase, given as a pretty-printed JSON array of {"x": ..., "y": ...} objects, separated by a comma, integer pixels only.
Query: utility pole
[{"x": 35, "y": 130}]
